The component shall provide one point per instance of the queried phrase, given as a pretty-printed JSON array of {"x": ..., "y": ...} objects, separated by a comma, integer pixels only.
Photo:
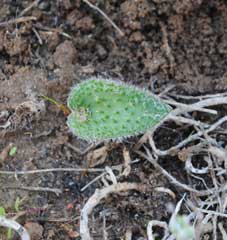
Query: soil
[{"x": 165, "y": 43}]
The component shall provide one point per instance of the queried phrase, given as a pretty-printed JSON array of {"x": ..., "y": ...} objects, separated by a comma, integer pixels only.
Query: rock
[
  {"x": 65, "y": 54},
  {"x": 85, "y": 24},
  {"x": 35, "y": 230}
]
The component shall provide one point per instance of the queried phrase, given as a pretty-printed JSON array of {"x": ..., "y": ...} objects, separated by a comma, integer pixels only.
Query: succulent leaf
[{"x": 103, "y": 109}]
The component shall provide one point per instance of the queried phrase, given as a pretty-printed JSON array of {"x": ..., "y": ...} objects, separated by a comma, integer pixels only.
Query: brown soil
[{"x": 166, "y": 42}]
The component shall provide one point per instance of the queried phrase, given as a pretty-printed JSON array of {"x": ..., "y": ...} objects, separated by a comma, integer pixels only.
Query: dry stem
[
  {"x": 18, "y": 20},
  {"x": 171, "y": 178},
  {"x": 105, "y": 16},
  {"x": 27, "y": 9},
  {"x": 96, "y": 198},
  {"x": 15, "y": 226},
  {"x": 193, "y": 137}
]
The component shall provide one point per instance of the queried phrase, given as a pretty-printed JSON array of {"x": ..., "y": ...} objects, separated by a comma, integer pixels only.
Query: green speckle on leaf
[
  {"x": 103, "y": 109},
  {"x": 12, "y": 151}
]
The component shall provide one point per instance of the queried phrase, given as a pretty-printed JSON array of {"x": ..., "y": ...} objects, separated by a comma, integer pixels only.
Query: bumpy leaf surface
[{"x": 104, "y": 110}]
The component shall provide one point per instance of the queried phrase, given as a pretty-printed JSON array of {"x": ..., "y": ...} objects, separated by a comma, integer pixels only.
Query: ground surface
[{"x": 165, "y": 43}]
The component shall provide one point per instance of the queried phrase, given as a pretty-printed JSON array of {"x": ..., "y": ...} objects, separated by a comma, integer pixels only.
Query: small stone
[
  {"x": 35, "y": 230},
  {"x": 102, "y": 53},
  {"x": 65, "y": 54},
  {"x": 15, "y": 46},
  {"x": 85, "y": 24},
  {"x": 136, "y": 37},
  {"x": 44, "y": 5},
  {"x": 53, "y": 41}
]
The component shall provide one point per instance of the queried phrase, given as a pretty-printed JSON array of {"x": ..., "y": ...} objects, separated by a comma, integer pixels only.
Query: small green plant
[
  {"x": 17, "y": 204},
  {"x": 12, "y": 151},
  {"x": 9, "y": 233},
  {"x": 181, "y": 228},
  {"x": 2, "y": 211},
  {"x": 102, "y": 110}
]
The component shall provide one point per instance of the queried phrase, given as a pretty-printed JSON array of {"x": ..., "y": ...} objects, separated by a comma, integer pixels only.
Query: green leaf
[
  {"x": 9, "y": 231},
  {"x": 12, "y": 151},
  {"x": 17, "y": 204},
  {"x": 9, "y": 234},
  {"x": 182, "y": 229},
  {"x": 2, "y": 211},
  {"x": 103, "y": 109}
]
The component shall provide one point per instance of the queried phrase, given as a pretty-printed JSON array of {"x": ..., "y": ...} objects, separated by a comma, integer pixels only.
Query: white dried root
[
  {"x": 154, "y": 223},
  {"x": 96, "y": 198},
  {"x": 9, "y": 223}
]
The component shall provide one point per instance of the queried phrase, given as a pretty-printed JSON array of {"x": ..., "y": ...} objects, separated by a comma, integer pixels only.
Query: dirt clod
[
  {"x": 35, "y": 230},
  {"x": 65, "y": 54}
]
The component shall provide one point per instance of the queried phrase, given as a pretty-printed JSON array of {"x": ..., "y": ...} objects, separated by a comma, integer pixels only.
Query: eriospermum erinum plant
[{"x": 104, "y": 109}]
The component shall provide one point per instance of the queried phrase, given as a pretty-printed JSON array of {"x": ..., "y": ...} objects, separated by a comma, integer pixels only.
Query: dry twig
[
  {"x": 4, "y": 222},
  {"x": 27, "y": 9},
  {"x": 34, "y": 189},
  {"x": 201, "y": 97},
  {"x": 50, "y": 30},
  {"x": 222, "y": 230},
  {"x": 176, "y": 211},
  {"x": 105, "y": 16},
  {"x": 171, "y": 178},
  {"x": 18, "y": 20},
  {"x": 102, "y": 175},
  {"x": 193, "y": 137},
  {"x": 166, "y": 190},
  {"x": 82, "y": 152},
  {"x": 38, "y": 36},
  {"x": 4, "y": 153},
  {"x": 182, "y": 109},
  {"x": 166, "y": 45},
  {"x": 96, "y": 198},
  {"x": 154, "y": 223},
  {"x": 39, "y": 171},
  {"x": 127, "y": 162}
]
